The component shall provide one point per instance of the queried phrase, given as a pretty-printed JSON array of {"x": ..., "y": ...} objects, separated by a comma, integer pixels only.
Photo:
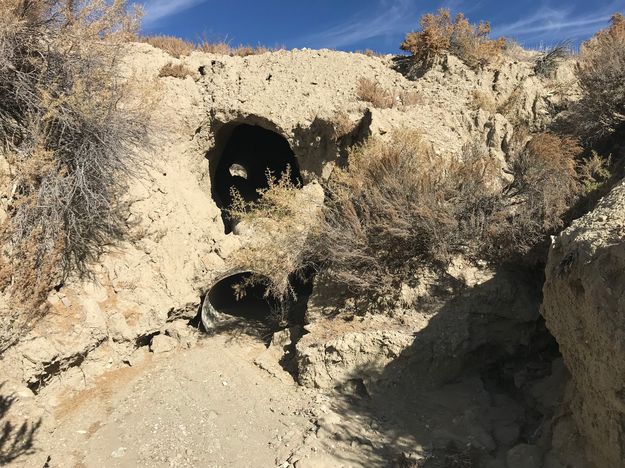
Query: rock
[
  {"x": 162, "y": 344},
  {"x": 584, "y": 308},
  {"x": 118, "y": 452},
  {"x": 283, "y": 339},
  {"x": 524, "y": 456},
  {"x": 137, "y": 357}
]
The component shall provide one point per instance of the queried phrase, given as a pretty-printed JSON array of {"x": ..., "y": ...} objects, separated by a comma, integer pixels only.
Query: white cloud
[
  {"x": 550, "y": 24},
  {"x": 393, "y": 16},
  {"x": 156, "y": 10}
]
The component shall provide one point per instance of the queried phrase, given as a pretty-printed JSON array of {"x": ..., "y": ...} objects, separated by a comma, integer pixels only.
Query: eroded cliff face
[
  {"x": 176, "y": 242},
  {"x": 584, "y": 306}
]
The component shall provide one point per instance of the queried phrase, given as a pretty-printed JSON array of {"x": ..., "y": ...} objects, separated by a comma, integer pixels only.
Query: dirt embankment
[{"x": 478, "y": 370}]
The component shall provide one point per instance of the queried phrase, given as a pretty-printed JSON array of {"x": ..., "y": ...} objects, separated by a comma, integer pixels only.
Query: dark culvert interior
[
  {"x": 253, "y": 312},
  {"x": 247, "y": 153}
]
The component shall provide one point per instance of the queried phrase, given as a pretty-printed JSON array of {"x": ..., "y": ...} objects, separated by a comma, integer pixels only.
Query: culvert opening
[
  {"x": 224, "y": 309},
  {"x": 244, "y": 155}
]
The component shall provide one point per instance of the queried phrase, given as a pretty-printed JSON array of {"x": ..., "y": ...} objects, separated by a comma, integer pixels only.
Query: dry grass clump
[
  {"x": 175, "y": 71},
  {"x": 600, "y": 113},
  {"x": 223, "y": 48},
  {"x": 369, "y": 53},
  {"x": 371, "y": 91},
  {"x": 485, "y": 101},
  {"x": 440, "y": 34},
  {"x": 174, "y": 46},
  {"x": 69, "y": 127},
  {"x": 177, "y": 47}
]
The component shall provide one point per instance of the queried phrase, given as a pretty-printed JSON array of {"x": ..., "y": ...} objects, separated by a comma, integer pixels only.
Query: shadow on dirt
[
  {"x": 483, "y": 377},
  {"x": 16, "y": 439}
]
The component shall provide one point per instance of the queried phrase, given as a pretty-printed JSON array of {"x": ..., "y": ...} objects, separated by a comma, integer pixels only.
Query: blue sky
[{"x": 376, "y": 24}]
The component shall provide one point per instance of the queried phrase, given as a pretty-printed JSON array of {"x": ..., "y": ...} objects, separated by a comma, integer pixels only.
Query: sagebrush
[
  {"x": 441, "y": 34},
  {"x": 399, "y": 207},
  {"x": 69, "y": 129},
  {"x": 599, "y": 116}
]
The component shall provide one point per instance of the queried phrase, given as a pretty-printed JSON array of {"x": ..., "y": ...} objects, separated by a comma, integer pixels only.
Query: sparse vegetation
[
  {"x": 399, "y": 207},
  {"x": 175, "y": 71},
  {"x": 440, "y": 34},
  {"x": 69, "y": 126},
  {"x": 174, "y": 46},
  {"x": 177, "y": 47},
  {"x": 548, "y": 62},
  {"x": 371, "y": 91},
  {"x": 280, "y": 220},
  {"x": 600, "y": 114},
  {"x": 483, "y": 100}
]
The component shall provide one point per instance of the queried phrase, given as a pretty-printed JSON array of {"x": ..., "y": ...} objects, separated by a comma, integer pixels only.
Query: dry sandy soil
[{"x": 207, "y": 406}]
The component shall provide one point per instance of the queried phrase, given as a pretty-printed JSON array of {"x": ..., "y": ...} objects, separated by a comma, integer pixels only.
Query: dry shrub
[
  {"x": 485, "y": 101},
  {"x": 600, "y": 113},
  {"x": 223, "y": 48},
  {"x": 280, "y": 221},
  {"x": 69, "y": 129},
  {"x": 371, "y": 91},
  {"x": 175, "y": 71},
  {"x": 174, "y": 46},
  {"x": 399, "y": 207},
  {"x": 342, "y": 124},
  {"x": 440, "y": 34},
  {"x": 548, "y": 63},
  {"x": 545, "y": 185},
  {"x": 369, "y": 53}
]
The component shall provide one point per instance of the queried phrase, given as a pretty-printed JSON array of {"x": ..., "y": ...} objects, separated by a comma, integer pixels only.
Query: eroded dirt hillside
[{"x": 474, "y": 375}]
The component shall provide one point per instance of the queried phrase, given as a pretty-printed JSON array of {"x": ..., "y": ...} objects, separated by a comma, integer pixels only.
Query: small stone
[
  {"x": 162, "y": 344},
  {"x": 119, "y": 452},
  {"x": 136, "y": 358}
]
